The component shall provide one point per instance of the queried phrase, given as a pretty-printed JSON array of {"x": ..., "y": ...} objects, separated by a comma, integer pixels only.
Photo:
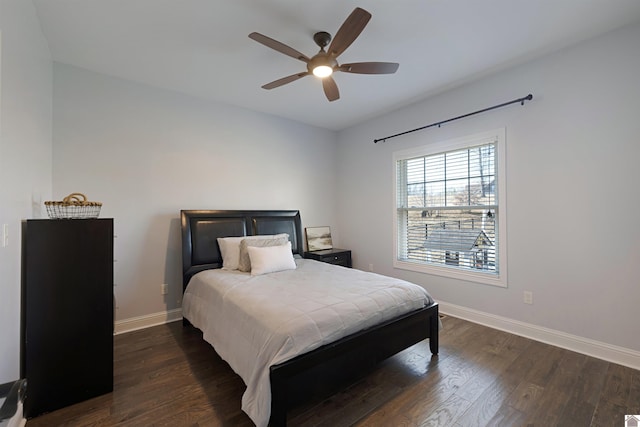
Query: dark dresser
[{"x": 67, "y": 312}]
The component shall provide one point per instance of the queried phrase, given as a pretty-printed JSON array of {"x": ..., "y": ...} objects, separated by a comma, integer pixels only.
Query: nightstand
[{"x": 331, "y": 256}]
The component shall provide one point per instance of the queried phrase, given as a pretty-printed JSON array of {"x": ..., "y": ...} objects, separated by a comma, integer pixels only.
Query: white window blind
[{"x": 447, "y": 208}]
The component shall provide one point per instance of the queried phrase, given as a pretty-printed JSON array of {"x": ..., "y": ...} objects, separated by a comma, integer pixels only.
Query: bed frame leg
[
  {"x": 278, "y": 419},
  {"x": 278, "y": 416},
  {"x": 434, "y": 330}
]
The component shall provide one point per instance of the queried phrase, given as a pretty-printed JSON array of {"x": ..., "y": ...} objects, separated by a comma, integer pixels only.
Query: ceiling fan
[{"x": 324, "y": 63}]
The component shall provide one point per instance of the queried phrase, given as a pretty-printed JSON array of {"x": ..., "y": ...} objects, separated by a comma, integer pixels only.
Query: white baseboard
[
  {"x": 141, "y": 322},
  {"x": 600, "y": 350}
]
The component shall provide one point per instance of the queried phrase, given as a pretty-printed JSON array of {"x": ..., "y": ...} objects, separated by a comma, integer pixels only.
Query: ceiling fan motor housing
[{"x": 322, "y": 39}]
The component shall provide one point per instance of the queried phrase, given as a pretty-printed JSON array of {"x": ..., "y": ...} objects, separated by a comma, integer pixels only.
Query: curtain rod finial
[{"x": 526, "y": 98}]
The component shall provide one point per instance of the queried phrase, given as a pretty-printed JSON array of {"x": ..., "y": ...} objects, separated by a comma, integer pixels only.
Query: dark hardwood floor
[{"x": 168, "y": 376}]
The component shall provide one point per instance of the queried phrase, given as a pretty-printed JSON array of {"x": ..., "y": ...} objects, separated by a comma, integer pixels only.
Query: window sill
[{"x": 453, "y": 273}]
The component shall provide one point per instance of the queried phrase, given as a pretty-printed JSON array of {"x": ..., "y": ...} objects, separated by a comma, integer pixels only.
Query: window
[{"x": 450, "y": 209}]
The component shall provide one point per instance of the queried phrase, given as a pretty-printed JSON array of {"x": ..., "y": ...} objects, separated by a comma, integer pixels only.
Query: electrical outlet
[
  {"x": 164, "y": 289},
  {"x": 527, "y": 297},
  {"x": 370, "y": 267}
]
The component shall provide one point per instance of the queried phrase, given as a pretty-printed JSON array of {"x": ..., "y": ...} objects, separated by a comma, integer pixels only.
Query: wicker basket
[{"x": 74, "y": 206}]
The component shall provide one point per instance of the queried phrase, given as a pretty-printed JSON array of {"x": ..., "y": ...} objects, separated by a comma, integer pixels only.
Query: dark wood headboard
[{"x": 201, "y": 228}]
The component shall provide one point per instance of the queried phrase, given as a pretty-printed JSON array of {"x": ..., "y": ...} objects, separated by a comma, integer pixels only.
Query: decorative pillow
[
  {"x": 244, "y": 263},
  {"x": 230, "y": 251},
  {"x": 271, "y": 259}
]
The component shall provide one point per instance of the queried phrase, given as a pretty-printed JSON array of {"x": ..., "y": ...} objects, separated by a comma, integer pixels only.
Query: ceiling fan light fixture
[
  {"x": 322, "y": 71},
  {"x": 322, "y": 65}
]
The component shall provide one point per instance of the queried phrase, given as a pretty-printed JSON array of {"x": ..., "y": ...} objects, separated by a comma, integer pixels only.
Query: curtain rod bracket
[{"x": 520, "y": 100}]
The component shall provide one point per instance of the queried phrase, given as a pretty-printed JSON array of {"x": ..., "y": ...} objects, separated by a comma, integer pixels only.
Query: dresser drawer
[
  {"x": 331, "y": 256},
  {"x": 342, "y": 259}
]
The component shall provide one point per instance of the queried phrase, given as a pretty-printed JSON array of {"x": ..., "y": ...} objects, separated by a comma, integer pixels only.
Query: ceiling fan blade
[
  {"x": 283, "y": 81},
  {"x": 370, "y": 67},
  {"x": 349, "y": 31},
  {"x": 280, "y": 47},
  {"x": 330, "y": 88}
]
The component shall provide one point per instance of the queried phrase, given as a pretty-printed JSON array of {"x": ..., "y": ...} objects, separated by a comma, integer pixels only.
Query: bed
[{"x": 288, "y": 378}]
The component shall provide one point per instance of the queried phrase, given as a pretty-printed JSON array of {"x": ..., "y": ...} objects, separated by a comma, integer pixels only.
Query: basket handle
[{"x": 75, "y": 197}]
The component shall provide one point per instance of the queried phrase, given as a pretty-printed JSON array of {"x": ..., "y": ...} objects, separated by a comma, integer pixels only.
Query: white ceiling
[{"x": 202, "y": 48}]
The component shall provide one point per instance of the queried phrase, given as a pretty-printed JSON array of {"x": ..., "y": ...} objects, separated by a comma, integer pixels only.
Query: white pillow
[
  {"x": 270, "y": 259},
  {"x": 244, "y": 264},
  {"x": 230, "y": 249}
]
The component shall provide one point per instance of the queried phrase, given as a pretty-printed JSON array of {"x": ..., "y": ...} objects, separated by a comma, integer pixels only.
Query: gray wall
[
  {"x": 572, "y": 188},
  {"x": 25, "y": 156},
  {"x": 146, "y": 153}
]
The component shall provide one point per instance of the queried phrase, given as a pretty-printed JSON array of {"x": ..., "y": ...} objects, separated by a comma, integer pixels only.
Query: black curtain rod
[{"x": 520, "y": 100}]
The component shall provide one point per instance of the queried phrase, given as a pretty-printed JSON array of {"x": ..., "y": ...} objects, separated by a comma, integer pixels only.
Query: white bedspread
[{"x": 254, "y": 322}]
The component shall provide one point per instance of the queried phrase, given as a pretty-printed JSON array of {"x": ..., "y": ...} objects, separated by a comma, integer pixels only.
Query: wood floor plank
[
  {"x": 510, "y": 417},
  {"x": 445, "y": 414},
  {"x": 585, "y": 393},
  {"x": 633, "y": 402},
  {"x": 488, "y": 403},
  {"x": 393, "y": 410},
  {"x": 426, "y": 398},
  {"x": 494, "y": 404},
  {"x": 169, "y": 376},
  {"x": 618, "y": 384},
  {"x": 348, "y": 407},
  {"x": 608, "y": 414},
  {"x": 558, "y": 391},
  {"x": 614, "y": 399}
]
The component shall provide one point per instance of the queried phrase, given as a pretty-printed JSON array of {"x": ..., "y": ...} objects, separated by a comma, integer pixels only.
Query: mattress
[{"x": 254, "y": 322}]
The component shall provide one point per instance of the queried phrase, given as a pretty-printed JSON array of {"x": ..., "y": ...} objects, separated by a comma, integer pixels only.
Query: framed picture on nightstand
[{"x": 318, "y": 238}]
